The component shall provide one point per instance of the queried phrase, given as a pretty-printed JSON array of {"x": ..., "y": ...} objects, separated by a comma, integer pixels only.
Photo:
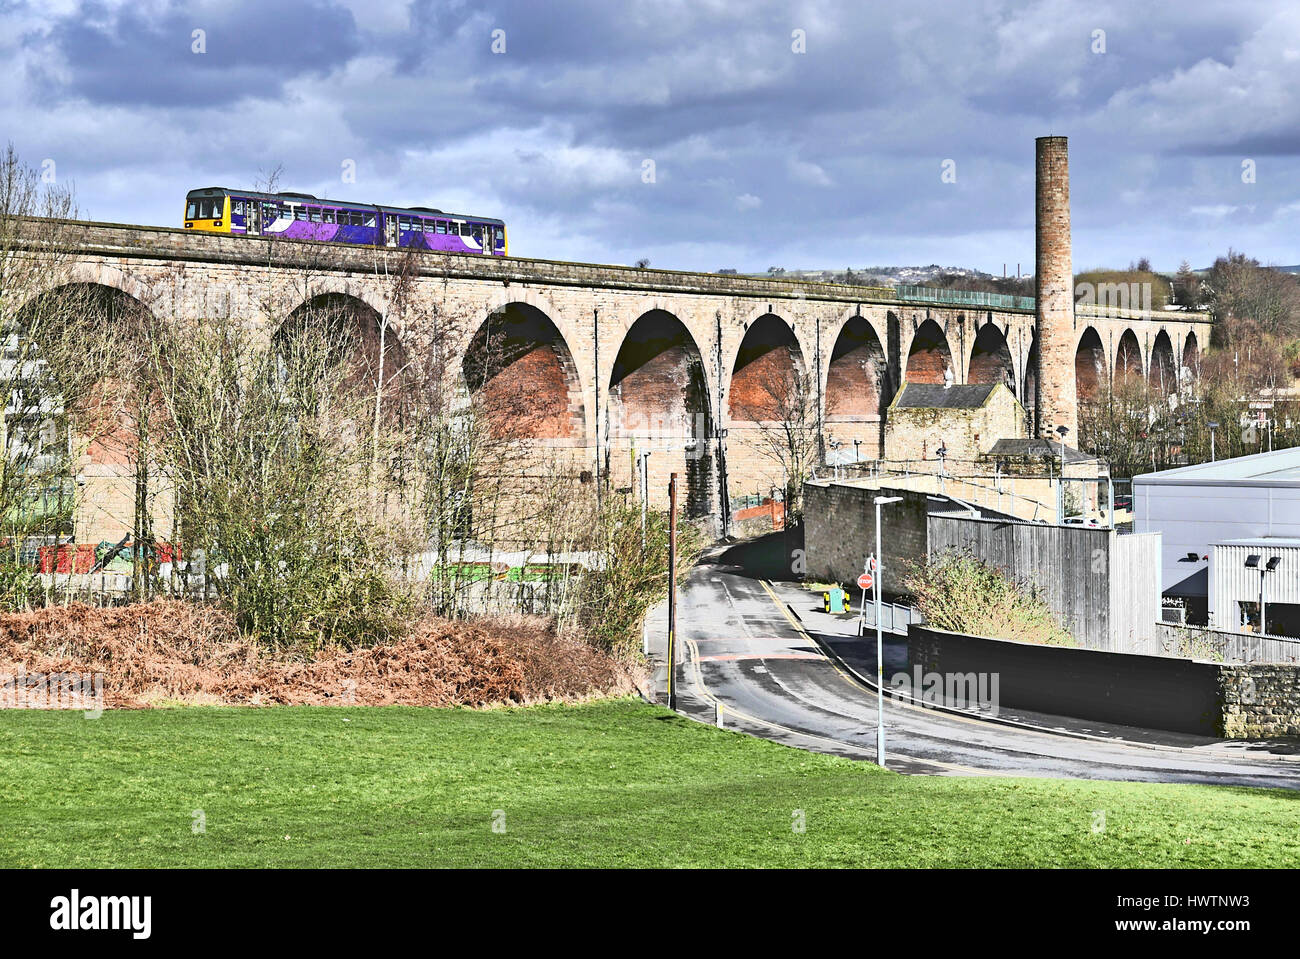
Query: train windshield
[{"x": 204, "y": 208}]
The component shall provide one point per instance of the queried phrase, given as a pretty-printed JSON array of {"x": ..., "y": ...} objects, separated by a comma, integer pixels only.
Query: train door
[
  {"x": 390, "y": 230},
  {"x": 253, "y": 217},
  {"x": 489, "y": 239}
]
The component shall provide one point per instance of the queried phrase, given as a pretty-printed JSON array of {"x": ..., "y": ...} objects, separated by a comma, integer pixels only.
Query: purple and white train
[{"x": 300, "y": 216}]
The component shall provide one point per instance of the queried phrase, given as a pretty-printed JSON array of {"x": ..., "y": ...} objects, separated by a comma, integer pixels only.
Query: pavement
[{"x": 758, "y": 645}]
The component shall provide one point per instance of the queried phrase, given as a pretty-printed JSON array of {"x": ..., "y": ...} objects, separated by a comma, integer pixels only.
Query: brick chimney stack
[{"x": 1054, "y": 290}]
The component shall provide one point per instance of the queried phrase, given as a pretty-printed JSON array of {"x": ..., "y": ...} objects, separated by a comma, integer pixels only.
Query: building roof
[
  {"x": 1261, "y": 542},
  {"x": 1276, "y": 468},
  {"x": 934, "y": 396},
  {"x": 1036, "y": 446}
]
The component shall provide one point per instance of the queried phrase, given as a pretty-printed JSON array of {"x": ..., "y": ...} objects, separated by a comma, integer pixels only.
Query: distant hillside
[{"x": 879, "y": 275}]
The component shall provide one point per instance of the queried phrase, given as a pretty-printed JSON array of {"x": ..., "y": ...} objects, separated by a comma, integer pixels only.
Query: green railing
[{"x": 966, "y": 298}]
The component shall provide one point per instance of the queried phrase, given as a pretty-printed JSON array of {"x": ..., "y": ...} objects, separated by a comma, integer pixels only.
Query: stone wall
[
  {"x": 840, "y": 530},
  {"x": 1260, "y": 700}
]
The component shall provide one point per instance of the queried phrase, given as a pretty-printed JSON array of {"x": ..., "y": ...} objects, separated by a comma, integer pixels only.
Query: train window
[
  {"x": 370, "y": 220},
  {"x": 404, "y": 223},
  {"x": 270, "y": 212},
  {"x": 430, "y": 226},
  {"x": 328, "y": 216},
  {"x": 238, "y": 208},
  {"x": 314, "y": 212},
  {"x": 300, "y": 213},
  {"x": 191, "y": 210},
  {"x": 442, "y": 226}
]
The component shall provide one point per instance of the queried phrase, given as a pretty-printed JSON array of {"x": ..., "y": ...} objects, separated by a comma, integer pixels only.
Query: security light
[
  {"x": 1273, "y": 562},
  {"x": 1192, "y": 557},
  {"x": 1252, "y": 561}
]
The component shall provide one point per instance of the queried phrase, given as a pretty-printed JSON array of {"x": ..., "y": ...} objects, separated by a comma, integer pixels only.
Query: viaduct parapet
[{"x": 680, "y": 364}]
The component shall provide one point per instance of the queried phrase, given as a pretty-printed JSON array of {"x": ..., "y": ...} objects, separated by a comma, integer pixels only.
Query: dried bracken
[{"x": 173, "y": 652}]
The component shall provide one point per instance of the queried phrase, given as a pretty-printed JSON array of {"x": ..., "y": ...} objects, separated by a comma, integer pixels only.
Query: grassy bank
[{"x": 616, "y": 783}]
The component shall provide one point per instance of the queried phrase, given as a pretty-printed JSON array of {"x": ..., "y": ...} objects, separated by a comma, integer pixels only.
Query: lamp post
[
  {"x": 1060, "y": 492},
  {"x": 880, "y": 640},
  {"x": 1213, "y": 426}
]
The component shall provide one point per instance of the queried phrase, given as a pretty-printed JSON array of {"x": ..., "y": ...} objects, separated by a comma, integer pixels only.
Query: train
[{"x": 301, "y": 216}]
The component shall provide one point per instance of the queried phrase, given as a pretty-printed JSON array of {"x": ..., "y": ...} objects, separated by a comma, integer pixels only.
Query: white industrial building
[{"x": 1230, "y": 536}]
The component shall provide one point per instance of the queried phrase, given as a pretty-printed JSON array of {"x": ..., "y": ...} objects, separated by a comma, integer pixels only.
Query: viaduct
[{"x": 614, "y": 359}]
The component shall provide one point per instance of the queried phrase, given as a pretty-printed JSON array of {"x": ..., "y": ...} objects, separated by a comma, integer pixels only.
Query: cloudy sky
[{"x": 799, "y": 133}]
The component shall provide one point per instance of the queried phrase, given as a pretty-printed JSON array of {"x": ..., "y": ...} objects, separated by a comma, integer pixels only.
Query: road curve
[{"x": 740, "y": 647}]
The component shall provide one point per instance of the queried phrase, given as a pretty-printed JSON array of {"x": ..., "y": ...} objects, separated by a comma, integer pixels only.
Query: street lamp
[
  {"x": 1060, "y": 493},
  {"x": 880, "y": 641},
  {"x": 1213, "y": 425},
  {"x": 1252, "y": 562}
]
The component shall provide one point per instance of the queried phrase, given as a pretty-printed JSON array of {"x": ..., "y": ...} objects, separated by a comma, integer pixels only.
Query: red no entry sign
[{"x": 865, "y": 580}]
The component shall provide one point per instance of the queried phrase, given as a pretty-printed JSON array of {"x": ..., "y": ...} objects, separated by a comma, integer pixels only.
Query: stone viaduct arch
[
  {"x": 520, "y": 369},
  {"x": 1091, "y": 376},
  {"x": 1128, "y": 357},
  {"x": 859, "y": 386},
  {"x": 659, "y": 402},
  {"x": 990, "y": 358},
  {"x": 928, "y": 354},
  {"x": 613, "y": 359}
]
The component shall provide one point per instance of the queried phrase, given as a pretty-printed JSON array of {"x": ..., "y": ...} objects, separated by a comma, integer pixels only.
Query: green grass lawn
[{"x": 616, "y": 783}]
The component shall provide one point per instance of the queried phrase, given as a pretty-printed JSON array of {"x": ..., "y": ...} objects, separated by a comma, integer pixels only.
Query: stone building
[{"x": 963, "y": 422}]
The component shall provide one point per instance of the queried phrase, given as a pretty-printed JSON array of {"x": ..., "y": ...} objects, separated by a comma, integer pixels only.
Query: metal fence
[
  {"x": 894, "y": 617},
  {"x": 966, "y": 298},
  {"x": 1198, "y": 642}
]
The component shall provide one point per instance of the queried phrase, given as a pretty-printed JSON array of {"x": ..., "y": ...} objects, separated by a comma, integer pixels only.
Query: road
[{"x": 741, "y": 646}]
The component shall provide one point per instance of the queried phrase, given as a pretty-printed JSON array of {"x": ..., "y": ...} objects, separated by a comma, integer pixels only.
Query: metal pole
[
  {"x": 1262, "y": 626},
  {"x": 862, "y": 607},
  {"x": 672, "y": 589},
  {"x": 645, "y": 491},
  {"x": 880, "y": 651},
  {"x": 878, "y": 586}
]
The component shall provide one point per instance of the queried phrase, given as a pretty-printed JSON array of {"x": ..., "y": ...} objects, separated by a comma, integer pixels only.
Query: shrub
[
  {"x": 631, "y": 577},
  {"x": 959, "y": 592}
]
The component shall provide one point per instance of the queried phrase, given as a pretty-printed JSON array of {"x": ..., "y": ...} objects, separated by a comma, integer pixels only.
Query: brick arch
[
  {"x": 1162, "y": 373},
  {"x": 990, "y": 358},
  {"x": 1191, "y": 355},
  {"x": 104, "y": 419},
  {"x": 343, "y": 287},
  {"x": 521, "y": 373},
  {"x": 1033, "y": 376},
  {"x": 1089, "y": 365},
  {"x": 858, "y": 385},
  {"x": 766, "y": 372},
  {"x": 658, "y": 400},
  {"x": 657, "y": 385},
  {"x": 1128, "y": 356},
  {"x": 351, "y": 323},
  {"x": 928, "y": 354}
]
